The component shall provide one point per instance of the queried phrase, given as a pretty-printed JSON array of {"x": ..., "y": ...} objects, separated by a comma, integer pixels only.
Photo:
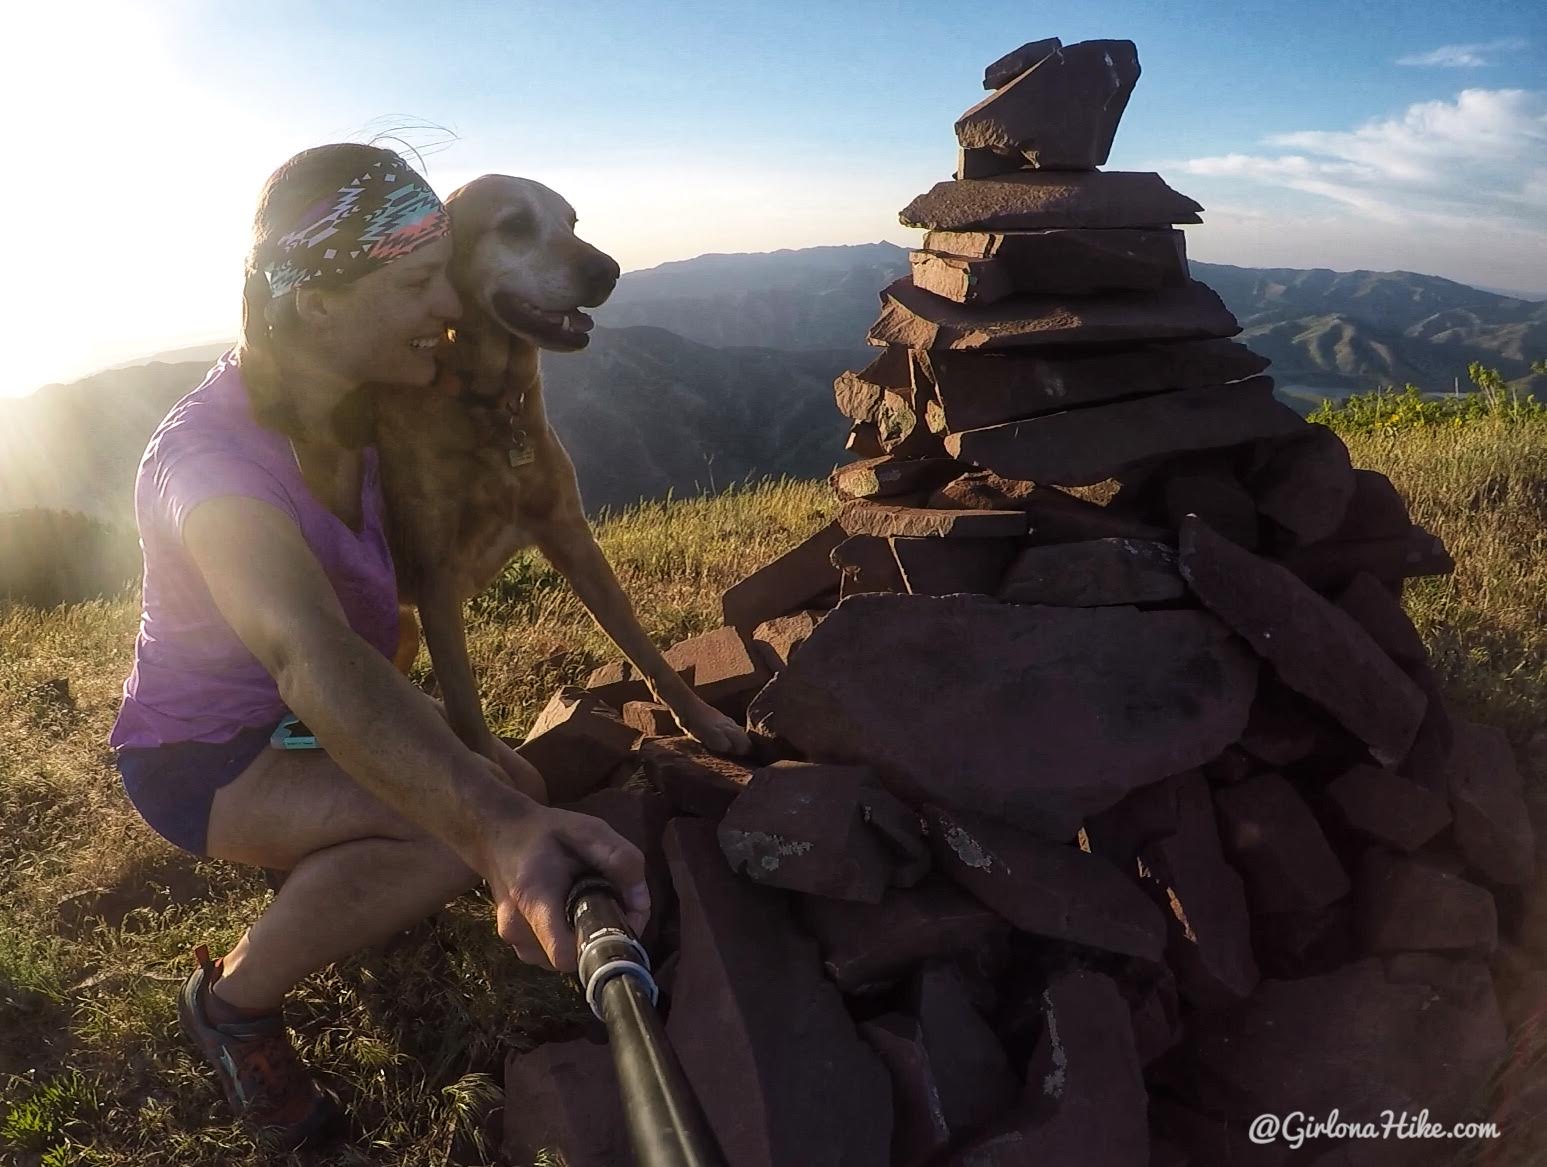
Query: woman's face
[{"x": 385, "y": 325}]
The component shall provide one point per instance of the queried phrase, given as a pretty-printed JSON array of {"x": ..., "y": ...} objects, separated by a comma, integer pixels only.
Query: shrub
[{"x": 1390, "y": 410}]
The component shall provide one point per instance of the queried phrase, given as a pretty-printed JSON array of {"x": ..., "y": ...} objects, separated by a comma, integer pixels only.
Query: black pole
[{"x": 666, "y": 1125}]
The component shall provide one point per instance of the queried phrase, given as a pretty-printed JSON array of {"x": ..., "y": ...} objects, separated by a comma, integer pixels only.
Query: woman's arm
[{"x": 269, "y": 586}]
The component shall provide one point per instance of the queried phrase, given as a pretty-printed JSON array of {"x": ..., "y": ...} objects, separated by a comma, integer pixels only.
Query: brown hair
[{"x": 290, "y": 190}]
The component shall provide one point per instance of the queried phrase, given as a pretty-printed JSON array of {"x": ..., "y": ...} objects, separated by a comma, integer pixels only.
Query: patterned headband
[{"x": 385, "y": 213}]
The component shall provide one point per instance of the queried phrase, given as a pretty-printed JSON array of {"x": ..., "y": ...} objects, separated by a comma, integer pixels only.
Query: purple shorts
[{"x": 173, "y": 786}]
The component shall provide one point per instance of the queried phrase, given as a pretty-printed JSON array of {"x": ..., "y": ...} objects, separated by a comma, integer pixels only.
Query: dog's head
[{"x": 518, "y": 262}]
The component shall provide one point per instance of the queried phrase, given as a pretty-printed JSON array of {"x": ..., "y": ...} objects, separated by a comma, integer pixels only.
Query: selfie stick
[{"x": 666, "y": 1125}]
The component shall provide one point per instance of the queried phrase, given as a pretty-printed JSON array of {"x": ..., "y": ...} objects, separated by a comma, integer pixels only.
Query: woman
[{"x": 268, "y": 590}]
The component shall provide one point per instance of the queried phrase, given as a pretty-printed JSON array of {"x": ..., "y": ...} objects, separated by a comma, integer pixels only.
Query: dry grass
[{"x": 92, "y": 1069}]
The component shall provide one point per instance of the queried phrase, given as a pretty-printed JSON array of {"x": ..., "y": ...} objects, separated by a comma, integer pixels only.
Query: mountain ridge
[{"x": 712, "y": 370}]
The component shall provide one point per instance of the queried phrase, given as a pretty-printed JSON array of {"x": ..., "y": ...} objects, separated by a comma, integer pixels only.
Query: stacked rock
[{"x": 1105, "y": 797}]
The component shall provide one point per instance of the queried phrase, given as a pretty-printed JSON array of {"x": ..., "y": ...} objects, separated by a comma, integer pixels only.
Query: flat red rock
[
  {"x": 1329, "y": 566},
  {"x": 978, "y": 389},
  {"x": 1492, "y": 828},
  {"x": 1081, "y": 447},
  {"x": 1186, "y": 873},
  {"x": 867, "y": 946},
  {"x": 943, "y": 567},
  {"x": 862, "y": 517},
  {"x": 1031, "y": 200},
  {"x": 650, "y": 719},
  {"x": 920, "y": 1131},
  {"x": 801, "y": 826},
  {"x": 1037, "y": 715},
  {"x": 569, "y": 1103},
  {"x": 1315, "y": 647},
  {"x": 720, "y": 665},
  {"x": 1062, "y": 113},
  {"x": 784, "y": 584},
  {"x": 1353, "y": 1041},
  {"x": 1272, "y": 838},
  {"x": 1306, "y": 483},
  {"x": 1381, "y": 614},
  {"x": 1387, "y": 807},
  {"x": 974, "y": 1077},
  {"x": 1407, "y": 906},
  {"x": 1094, "y": 573},
  {"x": 890, "y": 476},
  {"x": 921, "y": 320},
  {"x": 868, "y": 565},
  {"x": 983, "y": 267},
  {"x": 762, "y": 1034},
  {"x": 775, "y": 639},
  {"x": 1055, "y": 515},
  {"x": 576, "y": 742},
  {"x": 694, "y": 780},
  {"x": 1010, "y": 66},
  {"x": 1047, "y": 889},
  {"x": 1084, "y": 1101}
]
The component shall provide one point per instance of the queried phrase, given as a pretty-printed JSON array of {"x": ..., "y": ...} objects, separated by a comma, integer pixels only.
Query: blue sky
[{"x": 1315, "y": 134}]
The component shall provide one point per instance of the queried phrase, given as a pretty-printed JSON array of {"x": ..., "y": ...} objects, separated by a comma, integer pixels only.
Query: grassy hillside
[{"x": 97, "y": 916}]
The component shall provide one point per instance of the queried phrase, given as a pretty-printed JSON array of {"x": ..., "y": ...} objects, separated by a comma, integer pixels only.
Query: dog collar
[{"x": 516, "y": 442}]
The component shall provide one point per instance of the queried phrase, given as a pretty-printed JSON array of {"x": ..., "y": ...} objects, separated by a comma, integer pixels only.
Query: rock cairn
[{"x": 1105, "y": 799}]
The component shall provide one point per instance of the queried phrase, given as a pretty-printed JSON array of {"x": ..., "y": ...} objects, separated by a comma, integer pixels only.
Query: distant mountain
[
  {"x": 209, "y": 353},
  {"x": 813, "y": 298},
  {"x": 1358, "y": 330},
  {"x": 643, "y": 411},
  {"x": 1341, "y": 331}
]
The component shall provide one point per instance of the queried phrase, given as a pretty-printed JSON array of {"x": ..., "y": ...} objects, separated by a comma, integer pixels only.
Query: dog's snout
[{"x": 601, "y": 273}]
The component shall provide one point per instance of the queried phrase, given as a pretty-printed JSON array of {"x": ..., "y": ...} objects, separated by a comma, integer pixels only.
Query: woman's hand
[{"x": 531, "y": 861}]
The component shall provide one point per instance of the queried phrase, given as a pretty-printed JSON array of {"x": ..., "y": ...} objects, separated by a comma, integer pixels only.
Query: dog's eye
[{"x": 516, "y": 226}]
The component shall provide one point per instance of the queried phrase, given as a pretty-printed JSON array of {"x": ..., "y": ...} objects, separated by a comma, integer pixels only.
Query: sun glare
[{"x": 129, "y": 182}]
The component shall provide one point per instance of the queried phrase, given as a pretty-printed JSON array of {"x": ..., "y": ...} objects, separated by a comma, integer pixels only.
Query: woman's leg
[{"x": 358, "y": 870}]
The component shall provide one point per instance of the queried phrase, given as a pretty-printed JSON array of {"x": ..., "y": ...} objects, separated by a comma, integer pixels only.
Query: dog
[{"x": 471, "y": 471}]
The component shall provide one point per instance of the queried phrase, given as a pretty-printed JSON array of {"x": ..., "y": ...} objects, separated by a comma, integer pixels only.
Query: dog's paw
[{"x": 718, "y": 733}]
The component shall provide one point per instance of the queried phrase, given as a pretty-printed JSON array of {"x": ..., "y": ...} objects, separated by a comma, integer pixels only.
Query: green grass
[{"x": 97, "y": 916}]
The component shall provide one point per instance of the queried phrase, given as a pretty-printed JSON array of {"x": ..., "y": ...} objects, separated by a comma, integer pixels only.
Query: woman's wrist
[{"x": 492, "y": 811}]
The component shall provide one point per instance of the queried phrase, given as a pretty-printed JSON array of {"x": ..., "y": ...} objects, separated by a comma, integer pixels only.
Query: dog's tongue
[{"x": 578, "y": 322}]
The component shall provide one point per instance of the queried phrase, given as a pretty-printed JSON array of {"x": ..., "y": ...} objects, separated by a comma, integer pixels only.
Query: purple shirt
[{"x": 193, "y": 679}]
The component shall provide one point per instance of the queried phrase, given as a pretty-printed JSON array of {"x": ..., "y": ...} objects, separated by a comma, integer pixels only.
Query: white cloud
[
  {"x": 1465, "y": 56},
  {"x": 1481, "y": 157},
  {"x": 1455, "y": 188}
]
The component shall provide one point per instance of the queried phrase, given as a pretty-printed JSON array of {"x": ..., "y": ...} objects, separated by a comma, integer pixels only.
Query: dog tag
[{"x": 521, "y": 453}]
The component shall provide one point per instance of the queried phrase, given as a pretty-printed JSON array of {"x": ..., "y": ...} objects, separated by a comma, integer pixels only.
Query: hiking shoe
[{"x": 263, "y": 1079}]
